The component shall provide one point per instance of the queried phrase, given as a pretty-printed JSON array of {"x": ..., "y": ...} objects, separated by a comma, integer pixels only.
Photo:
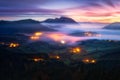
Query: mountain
[
  {"x": 27, "y": 26},
  {"x": 25, "y": 21},
  {"x": 60, "y": 20},
  {"x": 115, "y": 26}
]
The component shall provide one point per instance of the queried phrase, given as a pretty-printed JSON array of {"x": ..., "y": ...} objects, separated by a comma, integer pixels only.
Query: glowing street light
[
  {"x": 86, "y": 60},
  {"x": 54, "y": 57},
  {"x": 93, "y": 61},
  {"x": 57, "y": 57},
  {"x": 62, "y": 42}
]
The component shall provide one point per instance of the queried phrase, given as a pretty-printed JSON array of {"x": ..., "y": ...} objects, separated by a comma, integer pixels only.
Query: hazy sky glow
[{"x": 80, "y": 10}]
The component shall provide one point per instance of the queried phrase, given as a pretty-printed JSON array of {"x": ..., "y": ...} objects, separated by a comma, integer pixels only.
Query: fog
[{"x": 66, "y": 29}]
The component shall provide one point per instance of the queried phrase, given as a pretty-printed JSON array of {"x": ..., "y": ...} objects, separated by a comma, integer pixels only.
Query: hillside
[
  {"x": 114, "y": 26},
  {"x": 21, "y": 26}
]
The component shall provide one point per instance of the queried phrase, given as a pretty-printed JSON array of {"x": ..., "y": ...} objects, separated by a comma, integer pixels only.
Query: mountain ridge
[
  {"x": 114, "y": 26},
  {"x": 23, "y": 26},
  {"x": 60, "y": 20},
  {"x": 49, "y": 20}
]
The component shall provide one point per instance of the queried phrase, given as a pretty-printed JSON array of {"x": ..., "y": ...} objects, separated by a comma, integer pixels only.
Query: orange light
[
  {"x": 54, "y": 57},
  {"x": 93, "y": 61},
  {"x": 56, "y": 36},
  {"x": 58, "y": 57},
  {"x": 34, "y": 37},
  {"x": 38, "y": 33},
  {"x": 13, "y": 45},
  {"x": 86, "y": 60},
  {"x": 38, "y": 59},
  {"x": 89, "y": 61},
  {"x": 76, "y": 50}
]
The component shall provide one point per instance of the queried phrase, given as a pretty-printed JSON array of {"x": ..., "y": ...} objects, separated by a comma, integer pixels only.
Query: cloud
[
  {"x": 97, "y": 14},
  {"x": 84, "y": 9}
]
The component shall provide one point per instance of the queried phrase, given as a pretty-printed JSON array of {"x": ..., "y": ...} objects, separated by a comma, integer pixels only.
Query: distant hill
[
  {"x": 114, "y": 26},
  {"x": 25, "y": 21},
  {"x": 60, "y": 20},
  {"x": 27, "y": 26}
]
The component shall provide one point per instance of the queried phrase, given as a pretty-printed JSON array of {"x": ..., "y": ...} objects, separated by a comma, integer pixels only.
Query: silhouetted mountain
[
  {"x": 25, "y": 21},
  {"x": 60, "y": 20},
  {"x": 27, "y": 25},
  {"x": 115, "y": 26}
]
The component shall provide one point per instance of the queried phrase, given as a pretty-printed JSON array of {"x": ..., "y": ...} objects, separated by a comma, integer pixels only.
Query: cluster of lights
[
  {"x": 37, "y": 59},
  {"x": 13, "y": 45},
  {"x": 36, "y": 36},
  {"x": 89, "y": 61},
  {"x": 76, "y": 50}
]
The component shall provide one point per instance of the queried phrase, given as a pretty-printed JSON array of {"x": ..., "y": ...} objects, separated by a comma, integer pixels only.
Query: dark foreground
[
  {"x": 34, "y": 61},
  {"x": 22, "y": 67}
]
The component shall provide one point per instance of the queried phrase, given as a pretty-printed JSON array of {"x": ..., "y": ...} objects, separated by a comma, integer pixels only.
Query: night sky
[{"x": 80, "y": 10}]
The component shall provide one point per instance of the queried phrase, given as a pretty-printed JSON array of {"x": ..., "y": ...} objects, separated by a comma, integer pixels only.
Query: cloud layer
[{"x": 80, "y": 10}]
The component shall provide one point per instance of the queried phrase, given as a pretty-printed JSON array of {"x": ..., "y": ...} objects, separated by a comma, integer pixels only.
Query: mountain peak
[{"x": 60, "y": 20}]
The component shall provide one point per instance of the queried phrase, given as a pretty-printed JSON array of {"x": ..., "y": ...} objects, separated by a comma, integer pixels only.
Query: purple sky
[{"x": 80, "y": 10}]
